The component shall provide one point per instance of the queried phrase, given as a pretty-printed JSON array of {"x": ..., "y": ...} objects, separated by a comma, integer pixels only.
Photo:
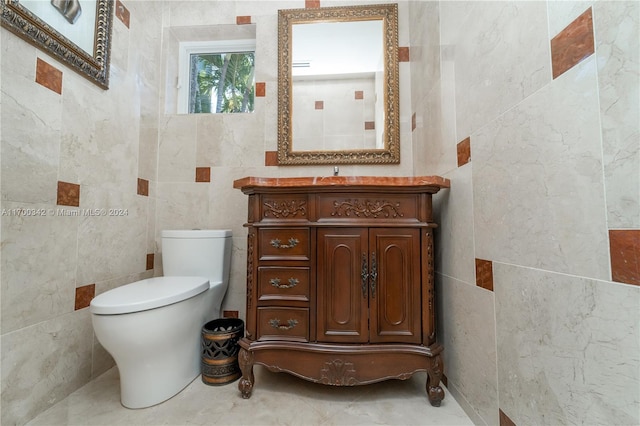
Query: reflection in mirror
[
  {"x": 338, "y": 85},
  {"x": 337, "y": 69}
]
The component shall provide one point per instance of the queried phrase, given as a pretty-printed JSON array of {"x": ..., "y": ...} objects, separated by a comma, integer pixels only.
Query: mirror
[
  {"x": 76, "y": 33},
  {"x": 338, "y": 85}
]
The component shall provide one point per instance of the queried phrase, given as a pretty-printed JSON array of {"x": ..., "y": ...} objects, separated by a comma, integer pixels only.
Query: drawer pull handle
[
  {"x": 276, "y": 283},
  {"x": 278, "y": 244},
  {"x": 275, "y": 323}
]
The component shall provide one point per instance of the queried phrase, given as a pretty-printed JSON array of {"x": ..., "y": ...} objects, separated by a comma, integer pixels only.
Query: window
[{"x": 216, "y": 77}]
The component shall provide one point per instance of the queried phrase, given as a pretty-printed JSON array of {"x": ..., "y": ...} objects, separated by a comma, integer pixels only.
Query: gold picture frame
[
  {"x": 94, "y": 66},
  {"x": 390, "y": 152}
]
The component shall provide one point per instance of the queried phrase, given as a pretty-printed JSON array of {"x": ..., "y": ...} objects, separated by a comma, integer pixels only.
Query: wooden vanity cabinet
[{"x": 340, "y": 284}]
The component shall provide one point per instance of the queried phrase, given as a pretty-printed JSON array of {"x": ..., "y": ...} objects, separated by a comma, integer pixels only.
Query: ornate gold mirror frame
[
  {"x": 92, "y": 65},
  {"x": 390, "y": 152}
]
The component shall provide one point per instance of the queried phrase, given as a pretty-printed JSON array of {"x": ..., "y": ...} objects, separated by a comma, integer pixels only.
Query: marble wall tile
[
  {"x": 203, "y": 174},
  {"x": 122, "y": 13},
  {"x": 484, "y": 274},
  {"x": 624, "y": 246},
  {"x": 44, "y": 363},
  {"x": 143, "y": 187},
  {"x": 101, "y": 148},
  {"x": 537, "y": 181},
  {"x": 501, "y": 52},
  {"x": 114, "y": 242},
  {"x": 177, "y": 148},
  {"x": 567, "y": 348},
  {"x": 48, "y": 76},
  {"x": 84, "y": 294},
  {"x": 68, "y": 194},
  {"x": 181, "y": 206},
  {"x": 467, "y": 331},
  {"x": 453, "y": 212},
  {"x": 223, "y": 139},
  {"x": 617, "y": 30},
  {"x": 573, "y": 44},
  {"x": 30, "y": 141},
  {"x": 463, "y": 150},
  {"x": 38, "y": 282}
]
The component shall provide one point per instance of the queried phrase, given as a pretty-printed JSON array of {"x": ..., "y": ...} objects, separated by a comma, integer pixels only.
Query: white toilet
[{"x": 152, "y": 328}]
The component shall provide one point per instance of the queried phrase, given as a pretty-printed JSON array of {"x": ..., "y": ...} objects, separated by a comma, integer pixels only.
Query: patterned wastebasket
[{"x": 220, "y": 350}]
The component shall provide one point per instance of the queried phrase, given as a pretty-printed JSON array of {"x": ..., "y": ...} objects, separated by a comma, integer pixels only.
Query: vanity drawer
[
  {"x": 288, "y": 207},
  {"x": 380, "y": 206},
  {"x": 284, "y": 244},
  {"x": 283, "y": 324},
  {"x": 281, "y": 283}
]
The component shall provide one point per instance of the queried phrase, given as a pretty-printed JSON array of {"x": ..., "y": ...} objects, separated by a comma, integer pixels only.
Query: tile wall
[
  {"x": 533, "y": 113},
  {"x": 75, "y": 220}
]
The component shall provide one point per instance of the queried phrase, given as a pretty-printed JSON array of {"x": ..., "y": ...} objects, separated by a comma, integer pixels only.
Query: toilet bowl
[{"x": 152, "y": 327}]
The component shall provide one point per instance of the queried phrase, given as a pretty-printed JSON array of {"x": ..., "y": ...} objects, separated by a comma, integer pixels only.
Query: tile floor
[{"x": 278, "y": 399}]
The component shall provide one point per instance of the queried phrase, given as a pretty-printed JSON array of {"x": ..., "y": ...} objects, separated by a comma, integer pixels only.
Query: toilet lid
[{"x": 147, "y": 294}]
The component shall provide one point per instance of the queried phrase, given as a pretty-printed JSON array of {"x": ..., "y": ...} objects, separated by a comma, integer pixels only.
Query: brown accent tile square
[
  {"x": 369, "y": 125},
  {"x": 319, "y": 104},
  {"x": 464, "y": 152},
  {"x": 48, "y": 76},
  {"x": 505, "y": 420},
  {"x": 484, "y": 274},
  {"x": 312, "y": 4},
  {"x": 230, "y": 314},
  {"x": 261, "y": 89},
  {"x": 84, "y": 295},
  {"x": 359, "y": 94},
  {"x": 122, "y": 13},
  {"x": 143, "y": 187},
  {"x": 243, "y": 20},
  {"x": 403, "y": 54},
  {"x": 413, "y": 122},
  {"x": 271, "y": 158},
  {"x": 150, "y": 261},
  {"x": 624, "y": 246},
  {"x": 68, "y": 194},
  {"x": 573, "y": 44},
  {"x": 203, "y": 174}
]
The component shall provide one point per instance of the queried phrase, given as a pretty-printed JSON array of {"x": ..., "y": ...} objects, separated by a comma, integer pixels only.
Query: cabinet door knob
[
  {"x": 374, "y": 274},
  {"x": 364, "y": 274}
]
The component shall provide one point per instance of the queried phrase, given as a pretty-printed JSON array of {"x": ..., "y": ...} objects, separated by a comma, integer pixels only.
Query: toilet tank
[{"x": 197, "y": 252}]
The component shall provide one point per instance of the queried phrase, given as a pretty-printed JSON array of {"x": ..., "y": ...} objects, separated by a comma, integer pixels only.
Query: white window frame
[{"x": 188, "y": 48}]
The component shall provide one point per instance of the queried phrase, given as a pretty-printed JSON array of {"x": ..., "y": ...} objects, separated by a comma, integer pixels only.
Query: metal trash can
[{"x": 220, "y": 350}]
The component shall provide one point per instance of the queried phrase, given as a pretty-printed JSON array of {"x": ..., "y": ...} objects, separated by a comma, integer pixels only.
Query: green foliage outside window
[{"x": 221, "y": 82}]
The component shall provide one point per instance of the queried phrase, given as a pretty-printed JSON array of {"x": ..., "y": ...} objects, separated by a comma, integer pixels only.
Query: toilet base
[{"x": 159, "y": 355}]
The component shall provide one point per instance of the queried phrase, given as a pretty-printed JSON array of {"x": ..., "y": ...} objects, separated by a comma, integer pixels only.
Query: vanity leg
[
  {"x": 435, "y": 393},
  {"x": 245, "y": 361}
]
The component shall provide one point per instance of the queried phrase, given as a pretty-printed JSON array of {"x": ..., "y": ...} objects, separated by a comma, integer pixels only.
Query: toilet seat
[{"x": 147, "y": 294}]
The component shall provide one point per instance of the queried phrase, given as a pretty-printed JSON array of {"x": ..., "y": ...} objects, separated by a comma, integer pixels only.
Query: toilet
[{"x": 152, "y": 327}]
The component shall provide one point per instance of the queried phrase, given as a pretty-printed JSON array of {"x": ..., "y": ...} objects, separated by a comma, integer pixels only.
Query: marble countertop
[{"x": 341, "y": 181}]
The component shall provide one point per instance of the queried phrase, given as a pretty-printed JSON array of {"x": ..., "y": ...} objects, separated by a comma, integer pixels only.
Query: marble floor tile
[{"x": 278, "y": 399}]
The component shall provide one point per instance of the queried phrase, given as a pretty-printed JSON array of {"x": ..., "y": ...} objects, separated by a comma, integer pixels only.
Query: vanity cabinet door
[
  {"x": 369, "y": 285},
  {"x": 394, "y": 285},
  {"x": 342, "y": 302}
]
